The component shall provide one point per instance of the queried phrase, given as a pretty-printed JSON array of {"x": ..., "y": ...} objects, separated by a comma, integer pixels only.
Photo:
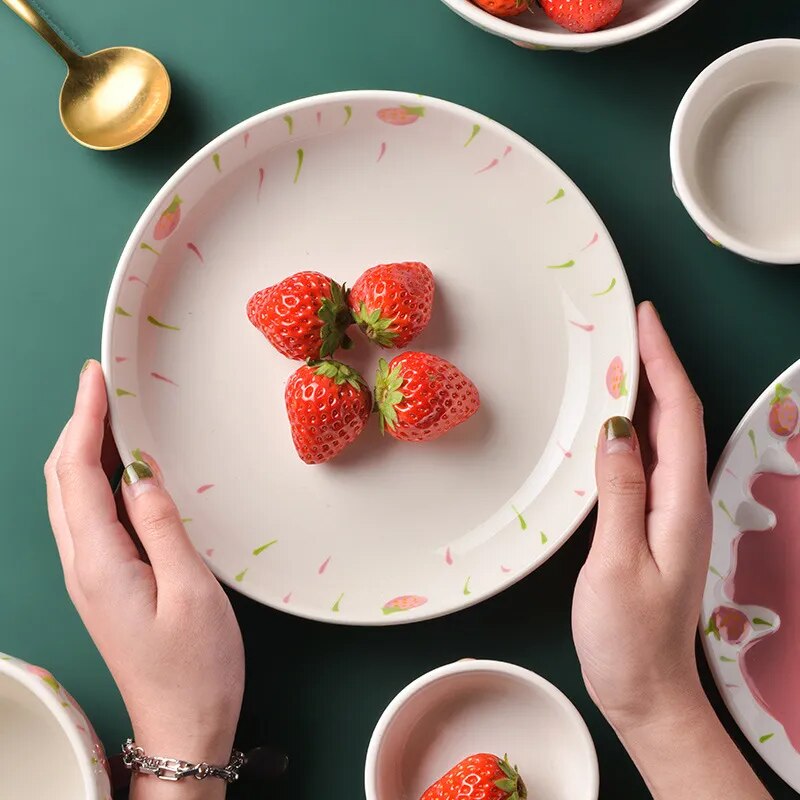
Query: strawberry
[
  {"x": 169, "y": 220},
  {"x": 401, "y": 115},
  {"x": 616, "y": 379},
  {"x": 783, "y": 412},
  {"x": 420, "y": 396},
  {"x": 404, "y": 603},
  {"x": 581, "y": 16},
  {"x": 503, "y": 8},
  {"x": 304, "y": 316},
  {"x": 328, "y": 405},
  {"x": 728, "y": 624},
  {"x": 482, "y": 775},
  {"x": 392, "y": 303}
]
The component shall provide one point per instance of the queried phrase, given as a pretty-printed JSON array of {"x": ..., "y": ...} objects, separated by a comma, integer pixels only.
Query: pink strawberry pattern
[
  {"x": 401, "y": 115},
  {"x": 403, "y": 603},
  {"x": 168, "y": 220},
  {"x": 616, "y": 379},
  {"x": 783, "y": 412}
]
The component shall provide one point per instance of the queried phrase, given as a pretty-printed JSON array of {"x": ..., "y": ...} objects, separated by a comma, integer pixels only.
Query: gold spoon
[{"x": 111, "y": 98}]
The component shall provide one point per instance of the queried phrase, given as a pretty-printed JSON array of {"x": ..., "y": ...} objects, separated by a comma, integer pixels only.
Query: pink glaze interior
[{"x": 765, "y": 573}]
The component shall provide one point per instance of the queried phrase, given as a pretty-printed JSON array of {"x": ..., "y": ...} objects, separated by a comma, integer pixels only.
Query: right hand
[{"x": 157, "y": 615}]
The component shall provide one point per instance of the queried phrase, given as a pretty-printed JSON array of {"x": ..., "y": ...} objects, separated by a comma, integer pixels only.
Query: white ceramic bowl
[
  {"x": 475, "y": 707},
  {"x": 733, "y": 151},
  {"x": 48, "y": 748},
  {"x": 536, "y": 31}
]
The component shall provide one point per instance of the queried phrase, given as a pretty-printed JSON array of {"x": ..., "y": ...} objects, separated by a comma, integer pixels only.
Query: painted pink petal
[
  {"x": 136, "y": 279},
  {"x": 731, "y": 685},
  {"x": 260, "y": 183},
  {"x": 120, "y": 359},
  {"x": 594, "y": 240},
  {"x": 324, "y": 565},
  {"x": 491, "y": 165},
  {"x": 194, "y": 248},
  {"x": 382, "y": 152},
  {"x": 731, "y": 473},
  {"x": 448, "y": 557},
  {"x": 81, "y": 728},
  {"x": 163, "y": 378},
  {"x": 506, "y": 151},
  {"x": 567, "y": 453},
  {"x": 319, "y": 118},
  {"x": 246, "y": 138},
  {"x": 287, "y": 598},
  {"x": 582, "y": 326},
  {"x": 205, "y": 487},
  {"x": 210, "y": 552},
  {"x": 580, "y": 492},
  {"x": 505, "y": 569}
]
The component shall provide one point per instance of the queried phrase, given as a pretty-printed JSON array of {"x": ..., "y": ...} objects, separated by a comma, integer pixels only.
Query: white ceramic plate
[
  {"x": 755, "y": 560},
  {"x": 532, "y": 303}
]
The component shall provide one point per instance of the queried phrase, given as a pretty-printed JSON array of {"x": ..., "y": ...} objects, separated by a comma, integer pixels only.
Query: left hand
[{"x": 159, "y": 618}]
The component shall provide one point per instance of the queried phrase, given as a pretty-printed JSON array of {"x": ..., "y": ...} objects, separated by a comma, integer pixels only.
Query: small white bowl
[
  {"x": 536, "y": 31},
  {"x": 734, "y": 151},
  {"x": 48, "y": 748},
  {"x": 481, "y": 707}
]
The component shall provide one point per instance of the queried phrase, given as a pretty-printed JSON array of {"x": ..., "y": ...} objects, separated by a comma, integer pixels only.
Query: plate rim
[
  {"x": 741, "y": 721},
  {"x": 351, "y": 96}
]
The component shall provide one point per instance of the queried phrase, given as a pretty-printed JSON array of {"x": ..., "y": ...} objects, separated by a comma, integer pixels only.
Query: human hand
[
  {"x": 637, "y": 599},
  {"x": 157, "y": 615}
]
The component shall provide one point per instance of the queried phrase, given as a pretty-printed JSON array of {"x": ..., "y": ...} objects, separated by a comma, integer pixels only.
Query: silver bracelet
[{"x": 173, "y": 769}]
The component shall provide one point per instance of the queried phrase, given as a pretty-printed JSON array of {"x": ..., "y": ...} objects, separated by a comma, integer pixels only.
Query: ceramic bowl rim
[
  {"x": 447, "y": 671},
  {"x": 14, "y": 669},
  {"x": 680, "y": 169},
  {"x": 566, "y": 40}
]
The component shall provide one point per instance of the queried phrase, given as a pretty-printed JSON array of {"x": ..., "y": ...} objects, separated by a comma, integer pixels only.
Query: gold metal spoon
[{"x": 111, "y": 98}]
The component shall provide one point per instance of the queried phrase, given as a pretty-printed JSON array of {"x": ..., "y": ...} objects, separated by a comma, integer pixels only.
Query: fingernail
[
  {"x": 139, "y": 477},
  {"x": 86, "y": 365},
  {"x": 655, "y": 310},
  {"x": 619, "y": 435}
]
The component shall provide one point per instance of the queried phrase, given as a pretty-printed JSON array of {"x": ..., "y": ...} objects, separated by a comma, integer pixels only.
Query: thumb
[
  {"x": 157, "y": 522},
  {"x": 622, "y": 493}
]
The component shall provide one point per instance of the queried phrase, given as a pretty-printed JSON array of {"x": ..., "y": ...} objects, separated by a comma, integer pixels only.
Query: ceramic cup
[
  {"x": 48, "y": 748},
  {"x": 734, "y": 151},
  {"x": 535, "y": 31},
  {"x": 481, "y": 706}
]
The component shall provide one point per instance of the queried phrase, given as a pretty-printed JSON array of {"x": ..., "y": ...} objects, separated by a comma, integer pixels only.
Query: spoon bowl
[{"x": 114, "y": 97}]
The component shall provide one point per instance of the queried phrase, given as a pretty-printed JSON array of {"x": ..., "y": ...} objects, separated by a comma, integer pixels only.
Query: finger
[
  {"x": 620, "y": 535},
  {"x": 680, "y": 438},
  {"x": 109, "y": 457},
  {"x": 157, "y": 522},
  {"x": 98, "y": 539},
  {"x": 55, "y": 508}
]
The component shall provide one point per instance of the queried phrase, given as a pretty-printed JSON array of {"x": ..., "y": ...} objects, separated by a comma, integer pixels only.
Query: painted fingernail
[
  {"x": 86, "y": 365},
  {"x": 139, "y": 477},
  {"x": 619, "y": 435}
]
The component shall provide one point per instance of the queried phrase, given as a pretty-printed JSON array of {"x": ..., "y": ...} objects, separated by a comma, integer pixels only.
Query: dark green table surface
[{"x": 66, "y": 212}]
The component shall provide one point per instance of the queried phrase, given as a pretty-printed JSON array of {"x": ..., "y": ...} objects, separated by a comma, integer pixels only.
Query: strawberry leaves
[
  {"x": 336, "y": 316},
  {"x": 375, "y": 326},
  {"x": 512, "y": 784},
  {"x": 387, "y": 393},
  {"x": 339, "y": 373}
]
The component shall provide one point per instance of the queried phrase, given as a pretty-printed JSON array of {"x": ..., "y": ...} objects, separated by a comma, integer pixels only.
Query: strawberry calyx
[
  {"x": 336, "y": 317},
  {"x": 512, "y": 784},
  {"x": 414, "y": 111},
  {"x": 712, "y": 628},
  {"x": 173, "y": 206},
  {"x": 374, "y": 325},
  {"x": 781, "y": 393},
  {"x": 337, "y": 372},
  {"x": 387, "y": 394}
]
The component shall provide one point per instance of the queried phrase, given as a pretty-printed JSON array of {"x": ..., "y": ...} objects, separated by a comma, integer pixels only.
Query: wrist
[{"x": 212, "y": 744}]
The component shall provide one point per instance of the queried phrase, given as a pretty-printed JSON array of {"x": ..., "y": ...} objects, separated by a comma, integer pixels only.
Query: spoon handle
[{"x": 26, "y": 11}]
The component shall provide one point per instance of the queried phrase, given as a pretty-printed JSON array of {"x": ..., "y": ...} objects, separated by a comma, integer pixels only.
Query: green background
[{"x": 66, "y": 212}]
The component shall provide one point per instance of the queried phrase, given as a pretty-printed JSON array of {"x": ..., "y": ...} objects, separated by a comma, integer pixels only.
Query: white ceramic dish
[
  {"x": 48, "y": 748},
  {"x": 536, "y": 31},
  {"x": 733, "y": 151},
  {"x": 481, "y": 707},
  {"x": 755, "y": 560},
  {"x": 326, "y": 183}
]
